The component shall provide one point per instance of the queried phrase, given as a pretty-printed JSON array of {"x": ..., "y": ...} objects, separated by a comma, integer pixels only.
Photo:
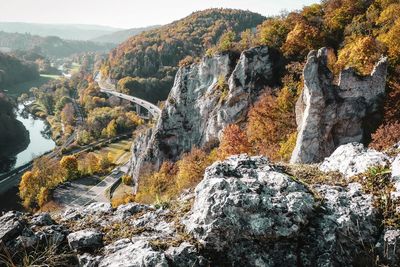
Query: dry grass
[{"x": 47, "y": 255}]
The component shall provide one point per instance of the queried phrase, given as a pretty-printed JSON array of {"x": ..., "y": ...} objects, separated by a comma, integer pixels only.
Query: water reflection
[{"x": 40, "y": 141}]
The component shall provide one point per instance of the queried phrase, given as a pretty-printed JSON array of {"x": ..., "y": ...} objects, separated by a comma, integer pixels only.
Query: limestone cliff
[
  {"x": 204, "y": 99},
  {"x": 330, "y": 115}
]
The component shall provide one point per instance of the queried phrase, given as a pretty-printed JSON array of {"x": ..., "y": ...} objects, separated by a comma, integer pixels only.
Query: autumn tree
[
  {"x": 70, "y": 165},
  {"x": 191, "y": 168},
  {"x": 361, "y": 53},
  {"x": 273, "y": 32},
  {"x": 68, "y": 114},
  {"x": 227, "y": 42},
  {"x": 234, "y": 141},
  {"x": 271, "y": 122}
]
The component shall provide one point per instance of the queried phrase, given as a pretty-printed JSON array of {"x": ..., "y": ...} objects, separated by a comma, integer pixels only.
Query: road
[
  {"x": 108, "y": 88},
  {"x": 85, "y": 191}
]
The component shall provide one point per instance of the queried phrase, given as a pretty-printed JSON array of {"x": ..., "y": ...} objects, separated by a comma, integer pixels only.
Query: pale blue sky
[{"x": 129, "y": 13}]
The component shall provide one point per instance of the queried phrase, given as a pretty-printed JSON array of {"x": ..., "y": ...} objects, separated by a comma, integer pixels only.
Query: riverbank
[{"x": 38, "y": 141}]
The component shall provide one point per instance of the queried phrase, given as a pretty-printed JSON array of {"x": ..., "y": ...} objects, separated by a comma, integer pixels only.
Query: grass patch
[{"x": 119, "y": 153}]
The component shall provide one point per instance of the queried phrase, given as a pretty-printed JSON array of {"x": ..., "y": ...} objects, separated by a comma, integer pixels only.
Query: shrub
[
  {"x": 386, "y": 136},
  {"x": 127, "y": 179},
  {"x": 43, "y": 196},
  {"x": 124, "y": 199}
]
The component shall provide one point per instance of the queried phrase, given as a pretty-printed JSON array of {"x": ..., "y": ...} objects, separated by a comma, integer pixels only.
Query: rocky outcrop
[
  {"x": 330, "y": 115},
  {"x": 352, "y": 159},
  {"x": 204, "y": 99},
  {"x": 246, "y": 212},
  {"x": 274, "y": 220},
  {"x": 85, "y": 239}
]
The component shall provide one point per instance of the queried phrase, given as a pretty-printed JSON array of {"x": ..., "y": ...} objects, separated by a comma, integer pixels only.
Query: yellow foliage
[
  {"x": 43, "y": 196},
  {"x": 125, "y": 199},
  {"x": 392, "y": 40},
  {"x": 361, "y": 54},
  {"x": 287, "y": 147},
  {"x": 191, "y": 168},
  {"x": 70, "y": 165}
]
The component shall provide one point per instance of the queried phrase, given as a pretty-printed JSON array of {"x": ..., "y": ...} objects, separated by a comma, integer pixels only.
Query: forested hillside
[
  {"x": 50, "y": 46},
  {"x": 13, "y": 70},
  {"x": 151, "y": 58}
]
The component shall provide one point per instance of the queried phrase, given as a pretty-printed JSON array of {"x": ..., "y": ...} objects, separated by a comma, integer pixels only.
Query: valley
[{"x": 223, "y": 138}]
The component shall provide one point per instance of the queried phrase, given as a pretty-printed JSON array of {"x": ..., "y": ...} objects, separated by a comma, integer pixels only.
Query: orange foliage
[
  {"x": 234, "y": 141},
  {"x": 386, "y": 136},
  {"x": 271, "y": 122}
]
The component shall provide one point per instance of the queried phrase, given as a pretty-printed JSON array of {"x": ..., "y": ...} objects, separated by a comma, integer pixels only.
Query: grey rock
[
  {"x": 85, "y": 240},
  {"x": 196, "y": 112},
  {"x": 53, "y": 234},
  {"x": 42, "y": 219},
  {"x": 88, "y": 260},
  {"x": 11, "y": 225},
  {"x": 391, "y": 246},
  {"x": 185, "y": 255},
  {"x": 330, "y": 115},
  {"x": 395, "y": 194},
  {"x": 273, "y": 220},
  {"x": 396, "y": 168},
  {"x": 99, "y": 208},
  {"x": 244, "y": 201},
  {"x": 340, "y": 233},
  {"x": 128, "y": 254},
  {"x": 124, "y": 211},
  {"x": 352, "y": 159}
]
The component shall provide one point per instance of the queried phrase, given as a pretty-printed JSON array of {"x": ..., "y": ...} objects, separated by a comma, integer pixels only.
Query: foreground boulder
[
  {"x": 248, "y": 212},
  {"x": 330, "y": 115},
  {"x": 353, "y": 159},
  {"x": 246, "y": 199}
]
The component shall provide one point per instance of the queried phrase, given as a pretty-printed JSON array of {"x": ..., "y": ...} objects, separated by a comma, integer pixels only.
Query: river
[{"x": 40, "y": 143}]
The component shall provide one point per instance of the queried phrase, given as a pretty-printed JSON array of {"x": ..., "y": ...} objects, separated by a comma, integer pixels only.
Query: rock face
[
  {"x": 204, "y": 99},
  {"x": 274, "y": 220},
  {"x": 352, "y": 159},
  {"x": 330, "y": 115}
]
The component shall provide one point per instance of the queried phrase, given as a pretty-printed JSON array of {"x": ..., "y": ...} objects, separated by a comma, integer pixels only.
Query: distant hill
[
  {"x": 50, "y": 46},
  {"x": 13, "y": 71},
  {"x": 64, "y": 31},
  {"x": 151, "y": 58},
  {"x": 120, "y": 36}
]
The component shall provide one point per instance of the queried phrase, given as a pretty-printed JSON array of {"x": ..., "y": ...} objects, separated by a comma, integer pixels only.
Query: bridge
[{"x": 109, "y": 88}]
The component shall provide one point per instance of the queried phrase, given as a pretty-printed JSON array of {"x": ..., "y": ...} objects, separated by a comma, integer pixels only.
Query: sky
[{"x": 129, "y": 13}]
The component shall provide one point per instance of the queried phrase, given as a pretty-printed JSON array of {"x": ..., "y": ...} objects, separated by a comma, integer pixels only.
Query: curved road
[{"x": 108, "y": 88}]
